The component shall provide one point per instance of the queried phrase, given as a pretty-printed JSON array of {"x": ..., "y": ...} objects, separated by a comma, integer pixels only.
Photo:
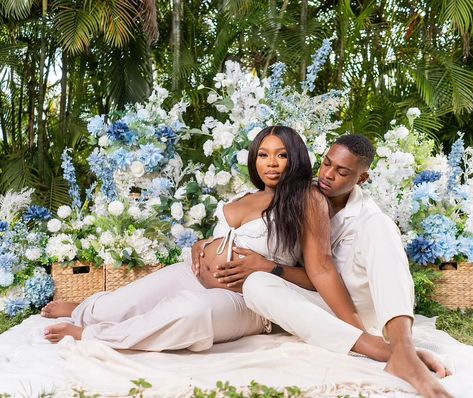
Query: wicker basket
[
  {"x": 77, "y": 282},
  {"x": 121, "y": 276},
  {"x": 454, "y": 288}
]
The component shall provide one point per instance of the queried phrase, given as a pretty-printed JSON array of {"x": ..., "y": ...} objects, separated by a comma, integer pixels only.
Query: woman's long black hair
[{"x": 286, "y": 213}]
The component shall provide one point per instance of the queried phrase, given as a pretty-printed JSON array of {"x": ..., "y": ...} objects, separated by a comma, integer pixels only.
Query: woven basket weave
[
  {"x": 121, "y": 276},
  {"x": 76, "y": 283},
  {"x": 454, "y": 288}
]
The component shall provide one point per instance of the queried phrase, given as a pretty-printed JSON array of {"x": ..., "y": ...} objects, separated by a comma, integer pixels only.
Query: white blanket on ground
[{"x": 30, "y": 365}]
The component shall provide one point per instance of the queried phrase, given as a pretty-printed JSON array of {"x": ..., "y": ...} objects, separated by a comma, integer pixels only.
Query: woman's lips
[{"x": 272, "y": 175}]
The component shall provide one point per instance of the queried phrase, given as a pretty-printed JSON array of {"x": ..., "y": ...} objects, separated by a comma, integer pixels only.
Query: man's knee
[{"x": 256, "y": 287}]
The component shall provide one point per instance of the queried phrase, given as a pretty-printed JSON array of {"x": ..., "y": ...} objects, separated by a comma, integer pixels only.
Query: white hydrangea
[
  {"x": 62, "y": 247},
  {"x": 413, "y": 113},
  {"x": 33, "y": 253},
  {"x": 176, "y": 211},
  {"x": 89, "y": 220},
  {"x": 143, "y": 246},
  {"x": 64, "y": 211},
  {"x": 54, "y": 225},
  {"x": 107, "y": 238},
  {"x": 401, "y": 132},
  {"x": 116, "y": 208}
]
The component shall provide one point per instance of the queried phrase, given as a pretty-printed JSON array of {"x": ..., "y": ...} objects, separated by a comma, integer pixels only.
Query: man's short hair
[{"x": 359, "y": 145}]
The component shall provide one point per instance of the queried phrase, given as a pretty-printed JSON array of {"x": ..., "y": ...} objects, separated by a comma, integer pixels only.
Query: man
[{"x": 369, "y": 255}]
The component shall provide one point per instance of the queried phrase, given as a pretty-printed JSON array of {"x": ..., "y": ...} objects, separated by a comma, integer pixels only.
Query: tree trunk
[
  {"x": 62, "y": 102},
  {"x": 177, "y": 11},
  {"x": 12, "y": 105},
  {"x": 275, "y": 37},
  {"x": 304, "y": 12}
]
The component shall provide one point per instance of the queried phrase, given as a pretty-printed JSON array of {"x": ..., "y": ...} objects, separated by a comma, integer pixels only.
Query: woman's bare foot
[
  {"x": 58, "y": 308},
  {"x": 407, "y": 365},
  {"x": 433, "y": 363},
  {"x": 56, "y": 333},
  {"x": 373, "y": 347}
]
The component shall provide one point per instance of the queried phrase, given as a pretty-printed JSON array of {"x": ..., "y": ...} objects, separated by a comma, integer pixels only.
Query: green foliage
[
  {"x": 141, "y": 386},
  {"x": 7, "y": 322},
  {"x": 254, "y": 390},
  {"x": 424, "y": 285}
]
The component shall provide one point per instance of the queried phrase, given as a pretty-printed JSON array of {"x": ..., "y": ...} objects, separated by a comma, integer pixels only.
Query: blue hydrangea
[
  {"x": 422, "y": 251},
  {"x": 454, "y": 160},
  {"x": 69, "y": 173},
  {"x": 318, "y": 61},
  {"x": 159, "y": 186},
  {"x": 276, "y": 80},
  {"x": 120, "y": 132},
  {"x": 4, "y": 226},
  {"x": 122, "y": 159},
  {"x": 35, "y": 212},
  {"x": 39, "y": 289},
  {"x": 186, "y": 239},
  {"x": 465, "y": 247},
  {"x": 166, "y": 134},
  {"x": 8, "y": 262},
  {"x": 6, "y": 278},
  {"x": 425, "y": 192},
  {"x": 14, "y": 306},
  {"x": 447, "y": 246},
  {"x": 438, "y": 225},
  {"x": 427, "y": 176},
  {"x": 96, "y": 125},
  {"x": 150, "y": 156}
]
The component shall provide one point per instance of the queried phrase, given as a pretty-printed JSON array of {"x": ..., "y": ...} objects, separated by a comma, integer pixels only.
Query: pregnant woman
[{"x": 173, "y": 309}]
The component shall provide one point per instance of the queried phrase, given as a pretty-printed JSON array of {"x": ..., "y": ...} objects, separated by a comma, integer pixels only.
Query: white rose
[
  {"x": 208, "y": 148},
  {"x": 209, "y": 179},
  {"x": 413, "y": 113},
  {"x": 224, "y": 139},
  {"x": 176, "y": 230},
  {"x": 137, "y": 169},
  {"x": 153, "y": 202},
  {"x": 107, "y": 238},
  {"x": 197, "y": 212},
  {"x": 134, "y": 212},
  {"x": 253, "y": 133},
  {"x": 104, "y": 141},
  {"x": 89, "y": 220},
  {"x": 33, "y": 254},
  {"x": 401, "y": 132},
  {"x": 176, "y": 210},
  {"x": 242, "y": 157},
  {"x": 199, "y": 177},
  {"x": 116, "y": 208},
  {"x": 54, "y": 225},
  {"x": 180, "y": 193},
  {"x": 64, "y": 211},
  {"x": 212, "y": 98},
  {"x": 223, "y": 177}
]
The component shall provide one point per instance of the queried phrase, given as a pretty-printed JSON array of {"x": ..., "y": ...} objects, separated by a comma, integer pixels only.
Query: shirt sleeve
[{"x": 379, "y": 248}]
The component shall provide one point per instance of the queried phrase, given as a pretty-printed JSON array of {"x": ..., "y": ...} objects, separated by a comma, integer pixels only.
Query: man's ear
[{"x": 363, "y": 177}]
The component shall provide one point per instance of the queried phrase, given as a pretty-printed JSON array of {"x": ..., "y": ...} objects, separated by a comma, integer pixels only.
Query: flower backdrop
[{"x": 147, "y": 206}]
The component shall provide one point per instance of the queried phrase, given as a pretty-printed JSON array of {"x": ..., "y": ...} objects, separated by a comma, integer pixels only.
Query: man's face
[{"x": 340, "y": 171}]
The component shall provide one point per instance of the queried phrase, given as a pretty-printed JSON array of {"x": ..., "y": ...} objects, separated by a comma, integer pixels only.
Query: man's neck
[{"x": 339, "y": 202}]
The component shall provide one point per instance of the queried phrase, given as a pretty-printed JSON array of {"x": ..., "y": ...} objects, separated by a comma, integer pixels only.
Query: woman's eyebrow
[{"x": 276, "y": 149}]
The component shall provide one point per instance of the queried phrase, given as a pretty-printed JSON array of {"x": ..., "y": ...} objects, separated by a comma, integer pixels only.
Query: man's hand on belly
[{"x": 234, "y": 272}]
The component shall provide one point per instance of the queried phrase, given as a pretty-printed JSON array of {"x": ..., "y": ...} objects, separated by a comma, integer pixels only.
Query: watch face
[{"x": 277, "y": 270}]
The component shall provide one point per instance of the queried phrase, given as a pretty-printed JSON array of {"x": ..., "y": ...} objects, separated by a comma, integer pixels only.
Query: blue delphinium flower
[
  {"x": 39, "y": 289},
  {"x": 276, "y": 80},
  {"x": 121, "y": 158},
  {"x": 422, "y": 251},
  {"x": 437, "y": 225},
  {"x": 89, "y": 192},
  {"x": 425, "y": 191},
  {"x": 4, "y": 226},
  {"x": 69, "y": 173},
  {"x": 101, "y": 167},
  {"x": 6, "y": 278},
  {"x": 35, "y": 212},
  {"x": 427, "y": 176},
  {"x": 120, "y": 132},
  {"x": 186, "y": 238},
  {"x": 14, "y": 306},
  {"x": 454, "y": 159},
  {"x": 166, "y": 134},
  {"x": 318, "y": 61},
  {"x": 150, "y": 156}
]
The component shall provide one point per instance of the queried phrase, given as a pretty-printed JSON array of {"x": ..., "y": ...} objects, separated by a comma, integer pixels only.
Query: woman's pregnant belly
[{"x": 209, "y": 264}]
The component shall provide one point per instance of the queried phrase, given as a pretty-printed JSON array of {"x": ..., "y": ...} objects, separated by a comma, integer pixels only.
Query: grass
[{"x": 6, "y": 322}]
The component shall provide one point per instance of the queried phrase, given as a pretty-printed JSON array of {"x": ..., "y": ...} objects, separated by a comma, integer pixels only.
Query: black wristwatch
[{"x": 277, "y": 270}]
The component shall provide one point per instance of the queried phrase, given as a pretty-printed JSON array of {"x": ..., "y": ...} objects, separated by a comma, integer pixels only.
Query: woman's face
[{"x": 271, "y": 160}]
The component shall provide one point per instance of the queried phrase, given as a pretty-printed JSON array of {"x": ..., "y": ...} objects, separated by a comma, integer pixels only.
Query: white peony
[
  {"x": 176, "y": 210},
  {"x": 242, "y": 157},
  {"x": 253, "y": 133},
  {"x": 197, "y": 212},
  {"x": 62, "y": 247},
  {"x": 137, "y": 169},
  {"x": 223, "y": 177},
  {"x": 107, "y": 238},
  {"x": 212, "y": 97},
  {"x": 89, "y": 220},
  {"x": 64, "y": 211},
  {"x": 54, "y": 225},
  {"x": 176, "y": 230},
  {"x": 33, "y": 254},
  {"x": 134, "y": 212},
  {"x": 208, "y": 148},
  {"x": 401, "y": 132},
  {"x": 116, "y": 208},
  {"x": 104, "y": 141}
]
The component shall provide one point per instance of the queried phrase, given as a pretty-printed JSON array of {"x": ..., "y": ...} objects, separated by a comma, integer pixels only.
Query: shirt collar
[{"x": 353, "y": 206}]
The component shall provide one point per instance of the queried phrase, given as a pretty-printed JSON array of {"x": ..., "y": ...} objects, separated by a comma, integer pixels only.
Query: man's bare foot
[
  {"x": 58, "y": 308},
  {"x": 373, "y": 347},
  {"x": 407, "y": 365},
  {"x": 56, "y": 333}
]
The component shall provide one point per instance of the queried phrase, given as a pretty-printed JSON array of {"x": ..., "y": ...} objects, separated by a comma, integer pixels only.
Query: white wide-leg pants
[{"x": 167, "y": 310}]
